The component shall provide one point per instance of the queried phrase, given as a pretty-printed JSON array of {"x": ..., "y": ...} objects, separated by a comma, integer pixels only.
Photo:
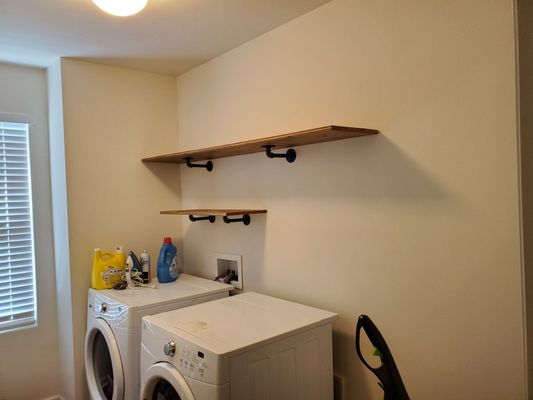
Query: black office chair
[{"x": 387, "y": 373}]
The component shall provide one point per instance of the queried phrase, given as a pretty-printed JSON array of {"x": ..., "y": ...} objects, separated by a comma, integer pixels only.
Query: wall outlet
[
  {"x": 231, "y": 262},
  {"x": 338, "y": 387}
]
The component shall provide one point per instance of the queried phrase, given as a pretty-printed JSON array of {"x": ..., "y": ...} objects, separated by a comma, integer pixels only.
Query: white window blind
[{"x": 17, "y": 270}]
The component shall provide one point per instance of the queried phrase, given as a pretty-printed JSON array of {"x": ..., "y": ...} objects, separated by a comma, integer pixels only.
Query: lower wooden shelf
[
  {"x": 207, "y": 214},
  {"x": 213, "y": 211}
]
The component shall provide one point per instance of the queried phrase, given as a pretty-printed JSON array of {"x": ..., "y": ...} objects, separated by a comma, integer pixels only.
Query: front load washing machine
[
  {"x": 244, "y": 347},
  {"x": 112, "y": 342}
]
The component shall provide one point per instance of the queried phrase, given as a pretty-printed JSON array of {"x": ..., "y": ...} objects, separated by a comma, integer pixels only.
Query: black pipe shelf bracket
[
  {"x": 208, "y": 166},
  {"x": 289, "y": 155},
  {"x": 209, "y": 214},
  {"x": 245, "y": 219},
  {"x": 210, "y": 218}
]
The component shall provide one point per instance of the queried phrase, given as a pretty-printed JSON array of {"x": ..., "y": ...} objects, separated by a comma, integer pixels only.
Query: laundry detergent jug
[
  {"x": 107, "y": 268},
  {"x": 167, "y": 270}
]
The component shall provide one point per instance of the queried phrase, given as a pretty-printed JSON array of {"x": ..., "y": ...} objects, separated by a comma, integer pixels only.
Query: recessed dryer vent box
[{"x": 232, "y": 262}]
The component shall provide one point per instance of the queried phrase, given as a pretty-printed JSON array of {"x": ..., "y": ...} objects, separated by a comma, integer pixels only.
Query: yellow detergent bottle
[{"x": 107, "y": 268}]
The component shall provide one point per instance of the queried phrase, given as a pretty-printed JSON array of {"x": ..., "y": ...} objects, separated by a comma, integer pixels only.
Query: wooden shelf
[
  {"x": 311, "y": 136},
  {"x": 203, "y": 214},
  {"x": 216, "y": 212}
]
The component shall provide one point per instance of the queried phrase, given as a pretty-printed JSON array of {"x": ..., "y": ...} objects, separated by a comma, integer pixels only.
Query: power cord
[{"x": 136, "y": 280}]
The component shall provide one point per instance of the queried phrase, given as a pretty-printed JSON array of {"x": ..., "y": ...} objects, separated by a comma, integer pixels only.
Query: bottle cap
[{"x": 167, "y": 240}]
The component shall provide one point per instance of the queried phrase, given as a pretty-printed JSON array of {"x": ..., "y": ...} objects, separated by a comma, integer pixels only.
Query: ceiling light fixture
[{"x": 121, "y": 8}]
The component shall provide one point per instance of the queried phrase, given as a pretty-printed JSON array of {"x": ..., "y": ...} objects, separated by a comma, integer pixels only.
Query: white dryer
[
  {"x": 245, "y": 347},
  {"x": 114, "y": 317}
]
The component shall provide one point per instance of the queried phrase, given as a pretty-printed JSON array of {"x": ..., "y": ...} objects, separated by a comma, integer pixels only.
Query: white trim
[{"x": 16, "y": 118}]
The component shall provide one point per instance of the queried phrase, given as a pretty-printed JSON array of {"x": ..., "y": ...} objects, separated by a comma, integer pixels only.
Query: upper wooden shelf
[{"x": 310, "y": 136}]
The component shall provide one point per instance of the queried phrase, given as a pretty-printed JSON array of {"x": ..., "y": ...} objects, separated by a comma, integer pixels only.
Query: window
[{"x": 17, "y": 267}]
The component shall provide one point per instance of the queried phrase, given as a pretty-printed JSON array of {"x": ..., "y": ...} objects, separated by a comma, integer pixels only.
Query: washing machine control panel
[{"x": 106, "y": 308}]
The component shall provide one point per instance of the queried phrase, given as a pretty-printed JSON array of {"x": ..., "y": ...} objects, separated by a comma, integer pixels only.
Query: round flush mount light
[{"x": 121, "y": 8}]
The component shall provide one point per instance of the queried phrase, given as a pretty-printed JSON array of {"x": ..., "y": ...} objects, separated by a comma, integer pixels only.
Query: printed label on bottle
[
  {"x": 173, "y": 269},
  {"x": 111, "y": 275}
]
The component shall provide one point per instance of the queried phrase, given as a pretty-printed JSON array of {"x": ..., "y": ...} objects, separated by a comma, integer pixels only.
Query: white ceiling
[{"x": 168, "y": 36}]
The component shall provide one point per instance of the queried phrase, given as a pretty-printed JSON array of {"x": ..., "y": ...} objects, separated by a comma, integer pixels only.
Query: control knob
[
  {"x": 103, "y": 307},
  {"x": 170, "y": 348}
]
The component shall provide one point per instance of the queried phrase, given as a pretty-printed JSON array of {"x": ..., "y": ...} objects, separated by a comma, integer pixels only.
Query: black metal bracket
[
  {"x": 289, "y": 155},
  {"x": 210, "y": 218},
  {"x": 208, "y": 166},
  {"x": 245, "y": 219}
]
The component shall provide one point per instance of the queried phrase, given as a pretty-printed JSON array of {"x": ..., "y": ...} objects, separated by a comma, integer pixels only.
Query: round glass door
[
  {"x": 163, "y": 382},
  {"x": 164, "y": 391},
  {"x": 103, "y": 366}
]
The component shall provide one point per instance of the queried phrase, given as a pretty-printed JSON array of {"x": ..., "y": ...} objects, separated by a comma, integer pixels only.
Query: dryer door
[
  {"x": 103, "y": 366},
  {"x": 163, "y": 382}
]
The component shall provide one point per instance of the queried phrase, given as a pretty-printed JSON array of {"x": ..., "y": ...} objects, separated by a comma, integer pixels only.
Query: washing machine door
[
  {"x": 103, "y": 365},
  {"x": 163, "y": 382}
]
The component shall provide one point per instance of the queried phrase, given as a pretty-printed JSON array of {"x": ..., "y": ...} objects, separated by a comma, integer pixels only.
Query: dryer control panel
[
  {"x": 189, "y": 359},
  {"x": 193, "y": 361}
]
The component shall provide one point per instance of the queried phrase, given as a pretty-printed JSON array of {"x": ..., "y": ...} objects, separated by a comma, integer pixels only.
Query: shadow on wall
[
  {"x": 366, "y": 168},
  {"x": 166, "y": 174},
  {"x": 304, "y": 201},
  {"x": 371, "y": 167}
]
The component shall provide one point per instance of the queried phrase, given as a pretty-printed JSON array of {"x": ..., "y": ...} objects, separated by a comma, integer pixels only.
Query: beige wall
[
  {"x": 417, "y": 227},
  {"x": 29, "y": 365},
  {"x": 525, "y": 39},
  {"x": 112, "y": 118}
]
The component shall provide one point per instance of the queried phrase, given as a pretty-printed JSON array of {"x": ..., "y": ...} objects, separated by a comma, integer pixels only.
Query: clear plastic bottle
[{"x": 145, "y": 266}]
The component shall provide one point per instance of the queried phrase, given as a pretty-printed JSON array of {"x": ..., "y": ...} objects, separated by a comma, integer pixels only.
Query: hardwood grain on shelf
[
  {"x": 207, "y": 211},
  {"x": 310, "y": 136}
]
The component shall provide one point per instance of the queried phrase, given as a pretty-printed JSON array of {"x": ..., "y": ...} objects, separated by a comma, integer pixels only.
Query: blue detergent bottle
[{"x": 167, "y": 270}]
